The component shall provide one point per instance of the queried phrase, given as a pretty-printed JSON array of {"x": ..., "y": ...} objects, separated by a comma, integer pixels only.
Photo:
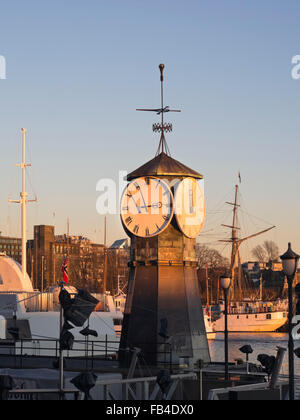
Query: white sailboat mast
[{"x": 23, "y": 201}]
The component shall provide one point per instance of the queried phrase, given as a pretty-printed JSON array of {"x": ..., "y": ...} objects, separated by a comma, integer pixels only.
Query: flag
[
  {"x": 240, "y": 179},
  {"x": 64, "y": 270}
]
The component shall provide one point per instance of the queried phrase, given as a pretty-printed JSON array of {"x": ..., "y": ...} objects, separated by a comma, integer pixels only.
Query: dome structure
[{"x": 11, "y": 279}]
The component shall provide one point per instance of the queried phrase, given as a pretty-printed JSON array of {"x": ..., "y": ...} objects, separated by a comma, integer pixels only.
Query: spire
[{"x": 162, "y": 127}]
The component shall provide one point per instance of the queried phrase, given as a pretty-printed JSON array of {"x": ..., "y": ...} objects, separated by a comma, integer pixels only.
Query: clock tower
[{"x": 163, "y": 211}]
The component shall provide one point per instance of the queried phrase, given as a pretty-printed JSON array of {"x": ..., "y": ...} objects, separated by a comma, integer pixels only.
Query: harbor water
[{"x": 266, "y": 343}]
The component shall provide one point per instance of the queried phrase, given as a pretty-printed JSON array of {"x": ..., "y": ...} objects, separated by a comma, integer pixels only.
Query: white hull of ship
[
  {"x": 210, "y": 333},
  {"x": 261, "y": 322}
]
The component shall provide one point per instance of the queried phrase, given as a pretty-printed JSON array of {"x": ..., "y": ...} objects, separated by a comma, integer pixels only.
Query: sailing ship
[
  {"x": 245, "y": 315},
  {"x": 253, "y": 317}
]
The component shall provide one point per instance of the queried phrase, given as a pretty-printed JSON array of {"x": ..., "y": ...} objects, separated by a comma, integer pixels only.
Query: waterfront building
[
  {"x": 12, "y": 247},
  {"x": 86, "y": 261},
  {"x": 46, "y": 253}
]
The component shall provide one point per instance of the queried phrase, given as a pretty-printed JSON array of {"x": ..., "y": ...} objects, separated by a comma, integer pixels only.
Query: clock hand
[
  {"x": 144, "y": 207},
  {"x": 159, "y": 205},
  {"x": 137, "y": 207}
]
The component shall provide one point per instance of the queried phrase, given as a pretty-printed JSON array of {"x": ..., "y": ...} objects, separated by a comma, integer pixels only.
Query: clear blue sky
[{"x": 76, "y": 72}]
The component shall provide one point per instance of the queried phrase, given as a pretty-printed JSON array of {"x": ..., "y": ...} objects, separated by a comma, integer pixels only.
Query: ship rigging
[{"x": 235, "y": 261}]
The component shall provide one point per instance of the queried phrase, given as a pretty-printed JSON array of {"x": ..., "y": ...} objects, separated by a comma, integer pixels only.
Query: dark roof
[
  {"x": 119, "y": 243},
  {"x": 164, "y": 165}
]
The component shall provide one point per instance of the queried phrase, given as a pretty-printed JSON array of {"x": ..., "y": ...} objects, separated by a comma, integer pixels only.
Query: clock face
[
  {"x": 189, "y": 207},
  {"x": 147, "y": 207}
]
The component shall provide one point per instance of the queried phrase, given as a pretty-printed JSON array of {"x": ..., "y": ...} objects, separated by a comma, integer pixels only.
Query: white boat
[
  {"x": 210, "y": 332},
  {"x": 246, "y": 315},
  {"x": 253, "y": 317},
  {"x": 36, "y": 317},
  {"x": 119, "y": 304},
  {"x": 32, "y": 319},
  {"x": 209, "y": 324}
]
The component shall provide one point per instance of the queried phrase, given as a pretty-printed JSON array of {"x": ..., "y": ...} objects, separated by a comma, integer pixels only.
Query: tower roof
[{"x": 164, "y": 165}]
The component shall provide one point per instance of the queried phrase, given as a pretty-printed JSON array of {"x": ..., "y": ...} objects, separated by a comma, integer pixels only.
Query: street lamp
[
  {"x": 289, "y": 266},
  {"x": 225, "y": 282},
  {"x": 43, "y": 258}
]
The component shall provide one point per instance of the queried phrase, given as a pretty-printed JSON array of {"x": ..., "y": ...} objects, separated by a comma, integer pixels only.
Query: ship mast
[
  {"x": 105, "y": 256},
  {"x": 68, "y": 249},
  {"x": 236, "y": 243},
  {"x": 23, "y": 201}
]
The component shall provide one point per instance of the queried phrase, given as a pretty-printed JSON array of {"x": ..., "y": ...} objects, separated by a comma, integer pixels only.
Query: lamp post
[
  {"x": 43, "y": 258},
  {"x": 225, "y": 282},
  {"x": 289, "y": 266}
]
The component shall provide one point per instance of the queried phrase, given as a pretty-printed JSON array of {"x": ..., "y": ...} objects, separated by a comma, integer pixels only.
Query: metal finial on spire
[
  {"x": 162, "y": 127},
  {"x": 161, "y": 67}
]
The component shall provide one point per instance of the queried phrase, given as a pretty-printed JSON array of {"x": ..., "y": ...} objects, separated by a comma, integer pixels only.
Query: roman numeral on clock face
[{"x": 146, "y": 207}]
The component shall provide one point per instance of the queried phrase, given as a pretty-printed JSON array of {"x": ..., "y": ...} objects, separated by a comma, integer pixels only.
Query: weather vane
[{"x": 162, "y": 127}]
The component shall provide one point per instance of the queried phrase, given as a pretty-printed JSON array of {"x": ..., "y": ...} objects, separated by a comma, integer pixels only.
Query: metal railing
[
  {"x": 283, "y": 380},
  {"x": 33, "y": 394},
  {"x": 216, "y": 394},
  {"x": 137, "y": 389},
  {"x": 32, "y": 301},
  {"x": 257, "y": 311},
  {"x": 144, "y": 389},
  {"x": 90, "y": 350}
]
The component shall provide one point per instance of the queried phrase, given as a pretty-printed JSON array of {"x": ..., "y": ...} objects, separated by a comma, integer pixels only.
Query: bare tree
[
  {"x": 269, "y": 251},
  {"x": 210, "y": 258},
  {"x": 259, "y": 253},
  {"x": 272, "y": 250}
]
